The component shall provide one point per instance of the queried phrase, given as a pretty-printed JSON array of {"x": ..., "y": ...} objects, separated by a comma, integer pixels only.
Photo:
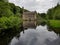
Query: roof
[{"x": 29, "y": 13}]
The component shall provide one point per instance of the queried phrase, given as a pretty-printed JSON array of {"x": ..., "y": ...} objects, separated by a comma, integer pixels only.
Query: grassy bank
[{"x": 54, "y": 23}]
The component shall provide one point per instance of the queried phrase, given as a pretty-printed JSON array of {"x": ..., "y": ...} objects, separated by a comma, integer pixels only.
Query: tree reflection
[
  {"x": 56, "y": 30},
  {"x": 7, "y": 35}
]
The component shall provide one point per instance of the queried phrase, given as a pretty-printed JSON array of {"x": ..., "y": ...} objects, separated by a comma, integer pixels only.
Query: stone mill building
[{"x": 28, "y": 15}]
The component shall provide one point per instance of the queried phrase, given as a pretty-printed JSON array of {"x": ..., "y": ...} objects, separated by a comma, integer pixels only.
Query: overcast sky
[{"x": 39, "y": 5}]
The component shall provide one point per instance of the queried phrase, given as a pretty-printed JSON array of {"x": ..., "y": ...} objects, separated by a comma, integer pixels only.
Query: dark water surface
[
  {"x": 35, "y": 35},
  {"x": 32, "y": 34}
]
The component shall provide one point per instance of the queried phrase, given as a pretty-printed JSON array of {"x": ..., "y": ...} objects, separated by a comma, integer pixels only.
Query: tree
[
  {"x": 54, "y": 13},
  {"x": 4, "y": 0},
  {"x": 43, "y": 15}
]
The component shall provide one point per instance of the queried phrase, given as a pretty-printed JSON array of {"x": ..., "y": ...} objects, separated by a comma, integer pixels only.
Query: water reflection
[
  {"x": 38, "y": 36},
  {"x": 29, "y": 24},
  {"x": 7, "y": 35},
  {"x": 30, "y": 34}
]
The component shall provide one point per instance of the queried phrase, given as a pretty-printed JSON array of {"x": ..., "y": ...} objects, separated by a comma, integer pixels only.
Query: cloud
[
  {"x": 38, "y": 36},
  {"x": 38, "y": 5}
]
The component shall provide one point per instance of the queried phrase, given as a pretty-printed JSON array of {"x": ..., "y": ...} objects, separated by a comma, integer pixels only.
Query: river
[{"x": 33, "y": 34}]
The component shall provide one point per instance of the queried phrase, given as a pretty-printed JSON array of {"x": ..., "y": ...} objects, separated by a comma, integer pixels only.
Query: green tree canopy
[
  {"x": 54, "y": 13},
  {"x": 4, "y": 0}
]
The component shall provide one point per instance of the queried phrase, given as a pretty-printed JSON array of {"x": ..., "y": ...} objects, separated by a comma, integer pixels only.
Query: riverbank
[{"x": 54, "y": 23}]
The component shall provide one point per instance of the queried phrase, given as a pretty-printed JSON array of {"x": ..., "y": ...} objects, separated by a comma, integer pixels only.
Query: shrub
[{"x": 12, "y": 21}]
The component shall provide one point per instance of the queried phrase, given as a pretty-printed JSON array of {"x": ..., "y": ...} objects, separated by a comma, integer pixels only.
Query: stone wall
[{"x": 29, "y": 15}]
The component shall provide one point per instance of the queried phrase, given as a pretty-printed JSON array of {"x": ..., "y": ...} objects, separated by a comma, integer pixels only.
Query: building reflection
[{"x": 29, "y": 24}]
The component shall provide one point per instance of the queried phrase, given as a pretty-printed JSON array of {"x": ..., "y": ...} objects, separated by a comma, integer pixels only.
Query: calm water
[
  {"x": 35, "y": 35},
  {"x": 31, "y": 34}
]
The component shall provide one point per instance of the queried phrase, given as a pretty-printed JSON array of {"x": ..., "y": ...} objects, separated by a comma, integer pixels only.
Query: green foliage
[
  {"x": 3, "y": 5},
  {"x": 12, "y": 7},
  {"x": 4, "y": 10},
  {"x": 54, "y": 13},
  {"x": 12, "y": 21},
  {"x": 38, "y": 16},
  {"x": 7, "y": 9},
  {"x": 15, "y": 9},
  {"x": 54, "y": 23},
  {"x": 43, "y": 15},
  {"x": 53, "y": 16},
  {"x": 4, "y": 0},
  {"x": 10, "y": 15}
]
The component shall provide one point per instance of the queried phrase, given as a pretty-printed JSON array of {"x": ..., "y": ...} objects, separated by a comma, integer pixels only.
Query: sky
[{"x": 40, "y": 6}]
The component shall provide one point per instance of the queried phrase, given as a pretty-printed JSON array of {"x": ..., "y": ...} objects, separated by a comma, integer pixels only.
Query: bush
[{"x": 10, "y": 22}]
